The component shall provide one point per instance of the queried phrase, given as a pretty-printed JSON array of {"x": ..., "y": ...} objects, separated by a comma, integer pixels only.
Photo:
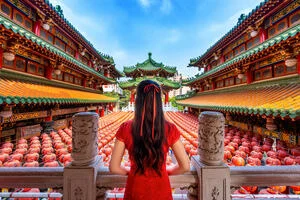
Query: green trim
[
  {"x": 42, "y": 81},
  {"x": 266, "y": 44},
  {"x": 242, "y": 18},
  {"x": 59, "y": 12},
  {"x": 267, "y": 83},
  {"x": 160, "y": 80},
  {"x": 248, "y": 110},
  {"x": 7, "y": 23},
  {"x": 150, "y": 65},
  {"x": 189, "y": 94},
  {"x": 29, "y": 100}
]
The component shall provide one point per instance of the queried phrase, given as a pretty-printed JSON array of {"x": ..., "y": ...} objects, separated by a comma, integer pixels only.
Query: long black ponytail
[{"x": 148, "y": 129}]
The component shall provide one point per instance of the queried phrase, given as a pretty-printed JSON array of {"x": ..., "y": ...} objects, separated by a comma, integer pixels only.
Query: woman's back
[
  {"x": 148, "y": 185},
  {"x": 148, "y": 137}
]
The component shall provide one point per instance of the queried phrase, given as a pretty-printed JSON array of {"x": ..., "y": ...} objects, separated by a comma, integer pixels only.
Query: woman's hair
[{"x": 148, "y": 129}]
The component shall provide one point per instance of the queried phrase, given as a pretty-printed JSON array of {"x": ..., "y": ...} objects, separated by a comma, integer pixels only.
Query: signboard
[
  {"x": 25, "y": 116},
  {"x": 92, "y": 108},
  {"x": 8, "y": 132},
  {"x": 240, "y": 125},
  {"x": 67, "y": 111},
  {"x": 60, "y": 124},
  {"x": 29, "y": 131}
]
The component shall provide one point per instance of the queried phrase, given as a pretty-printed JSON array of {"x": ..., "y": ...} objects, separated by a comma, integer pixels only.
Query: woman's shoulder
[
  {"x": 169, "y": 125},
  {"x": 127, "y": 124}
]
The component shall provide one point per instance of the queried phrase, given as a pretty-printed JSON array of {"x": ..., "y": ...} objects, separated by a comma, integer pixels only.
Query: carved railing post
[
  {"x": 213, "y": 174},
  {"x": 80, "y": 176}
]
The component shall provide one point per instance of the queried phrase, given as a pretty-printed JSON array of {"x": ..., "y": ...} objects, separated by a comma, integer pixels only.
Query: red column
[
  {"x": 167, "y": 97},
  {"x": 102, "y": 112},
  {"x": 222, "y": 59},
  {"x": 298, "y": 63},
  {"x": 95, "y": 86},
  {"x": 1, "y": 57},
  {"x": 48, "y": 72},
  {"x": 89, "y": 63},
  {"x": 213, "y": 85},
  {"x": 48, "y": 118},
  {"x": 37, "y": 27},
  {"x": 84, "y": 82},
  {"x": 208, "y": 67},
  {"x": 205, "y": 69},
  {"x": 262, "y": 35},
  {"x": 77, "y": 54},
  {"x": 249, "y": 76},
  {"x": 131, "y": 97},
  {"x": 202, "y": 88},
  {"x": 106, "y": 73},
  {"x": 97, "y": 110}
]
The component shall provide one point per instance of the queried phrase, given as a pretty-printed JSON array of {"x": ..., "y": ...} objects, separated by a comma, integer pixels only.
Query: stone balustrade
[{"x": 208, "y": 179}]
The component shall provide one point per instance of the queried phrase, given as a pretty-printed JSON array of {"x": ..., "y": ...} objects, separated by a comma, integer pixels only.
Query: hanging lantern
[
  {"x": 46, "y": 26},
  {"x": 253, "y": 33},
  {"x": 9, "y": 55},
  {"x": 270, "y": 124},
  {"x": 57, "y": 71},
  {"x": 240, "y": 76},
  {"x": 228, "y": 116},
  {"x": 290, "y": 62},
  {"x": 6, "y": 112}
]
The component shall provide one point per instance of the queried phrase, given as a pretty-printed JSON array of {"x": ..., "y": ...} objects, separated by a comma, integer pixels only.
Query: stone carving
[
  {"x": 211, "y": 137},
  {"x": 192, "y": 189},
  {"x": 215, "y": 193},
  {"x": 85, "y": 143},
  {"x": 78, "y": 193},
  {"x": 100, "y": 191}
]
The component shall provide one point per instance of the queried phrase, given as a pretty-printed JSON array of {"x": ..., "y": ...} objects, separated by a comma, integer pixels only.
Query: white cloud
[
  {"x": 220, "y": 28},
  {"x": 166, "y": 6},
  {"x": 173, "y": 36},
  {"x": 144, "y": 3}
]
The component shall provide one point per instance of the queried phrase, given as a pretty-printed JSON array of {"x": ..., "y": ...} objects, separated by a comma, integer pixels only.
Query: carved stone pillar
[
  {"x": 80, "y": 176},
  {"x": 213, "y": 174}
]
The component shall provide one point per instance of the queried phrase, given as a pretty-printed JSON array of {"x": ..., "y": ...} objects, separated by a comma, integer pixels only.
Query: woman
[{"x": 147, "y": 138}]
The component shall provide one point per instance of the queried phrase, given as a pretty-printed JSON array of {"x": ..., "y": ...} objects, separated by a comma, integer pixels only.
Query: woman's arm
[
  {"x": 116, "y": 158},
  {"x": 183, "y": 161}
]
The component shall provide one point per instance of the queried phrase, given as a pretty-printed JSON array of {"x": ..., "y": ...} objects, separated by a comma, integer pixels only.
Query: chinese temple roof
[
  {"x": 265, "y": 45},
  {"x": 16, "y": 91},
  {"x": 243, "y": 23},
  {"x": 8, "y": 24},
  {"x": 149, "y": 67},
  {"x": 165, "y": 83},
  {"x": 277, "y": 97},
  {"x": 57, "y": 14}
]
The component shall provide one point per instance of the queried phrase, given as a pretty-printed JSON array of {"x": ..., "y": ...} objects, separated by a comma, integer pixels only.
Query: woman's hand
[{"x": 116, "y": 159}]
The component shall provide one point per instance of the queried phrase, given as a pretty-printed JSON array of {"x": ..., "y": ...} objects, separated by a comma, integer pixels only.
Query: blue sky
[{"x": 173, "y": 30}]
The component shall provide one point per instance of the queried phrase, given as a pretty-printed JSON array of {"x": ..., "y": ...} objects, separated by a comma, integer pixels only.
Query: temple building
[
  {"x": 251, "y": 74},
  {"x": 150, "y": 69},
  {"x": 48, "y": 70}
]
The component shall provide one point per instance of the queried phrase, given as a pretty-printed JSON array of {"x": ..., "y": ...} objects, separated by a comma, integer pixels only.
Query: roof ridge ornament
[{"x": 150, "y": 55}]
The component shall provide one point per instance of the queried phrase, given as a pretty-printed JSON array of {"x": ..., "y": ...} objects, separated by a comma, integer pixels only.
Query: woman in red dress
[{"x": 148, "y": 138}]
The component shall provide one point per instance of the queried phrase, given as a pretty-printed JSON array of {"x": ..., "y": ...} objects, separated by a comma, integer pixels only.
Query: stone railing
[{"x": 86, "y": 178}]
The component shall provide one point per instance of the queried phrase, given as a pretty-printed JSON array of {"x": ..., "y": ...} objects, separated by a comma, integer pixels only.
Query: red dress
[{"x": 148, "y": 186}]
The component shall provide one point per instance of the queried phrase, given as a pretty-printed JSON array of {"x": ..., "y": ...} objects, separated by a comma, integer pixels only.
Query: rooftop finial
[{"x": 149, "y": 54}]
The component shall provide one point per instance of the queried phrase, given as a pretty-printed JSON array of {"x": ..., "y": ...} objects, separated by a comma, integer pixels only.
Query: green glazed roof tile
[
  {"x": 18, "y": 29},
  {"x": 268, "y": 43},
  {"x": 242, "y": 18},
  {"x": 160, "y": 80},
  {"x": 150, "y": 65}
]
